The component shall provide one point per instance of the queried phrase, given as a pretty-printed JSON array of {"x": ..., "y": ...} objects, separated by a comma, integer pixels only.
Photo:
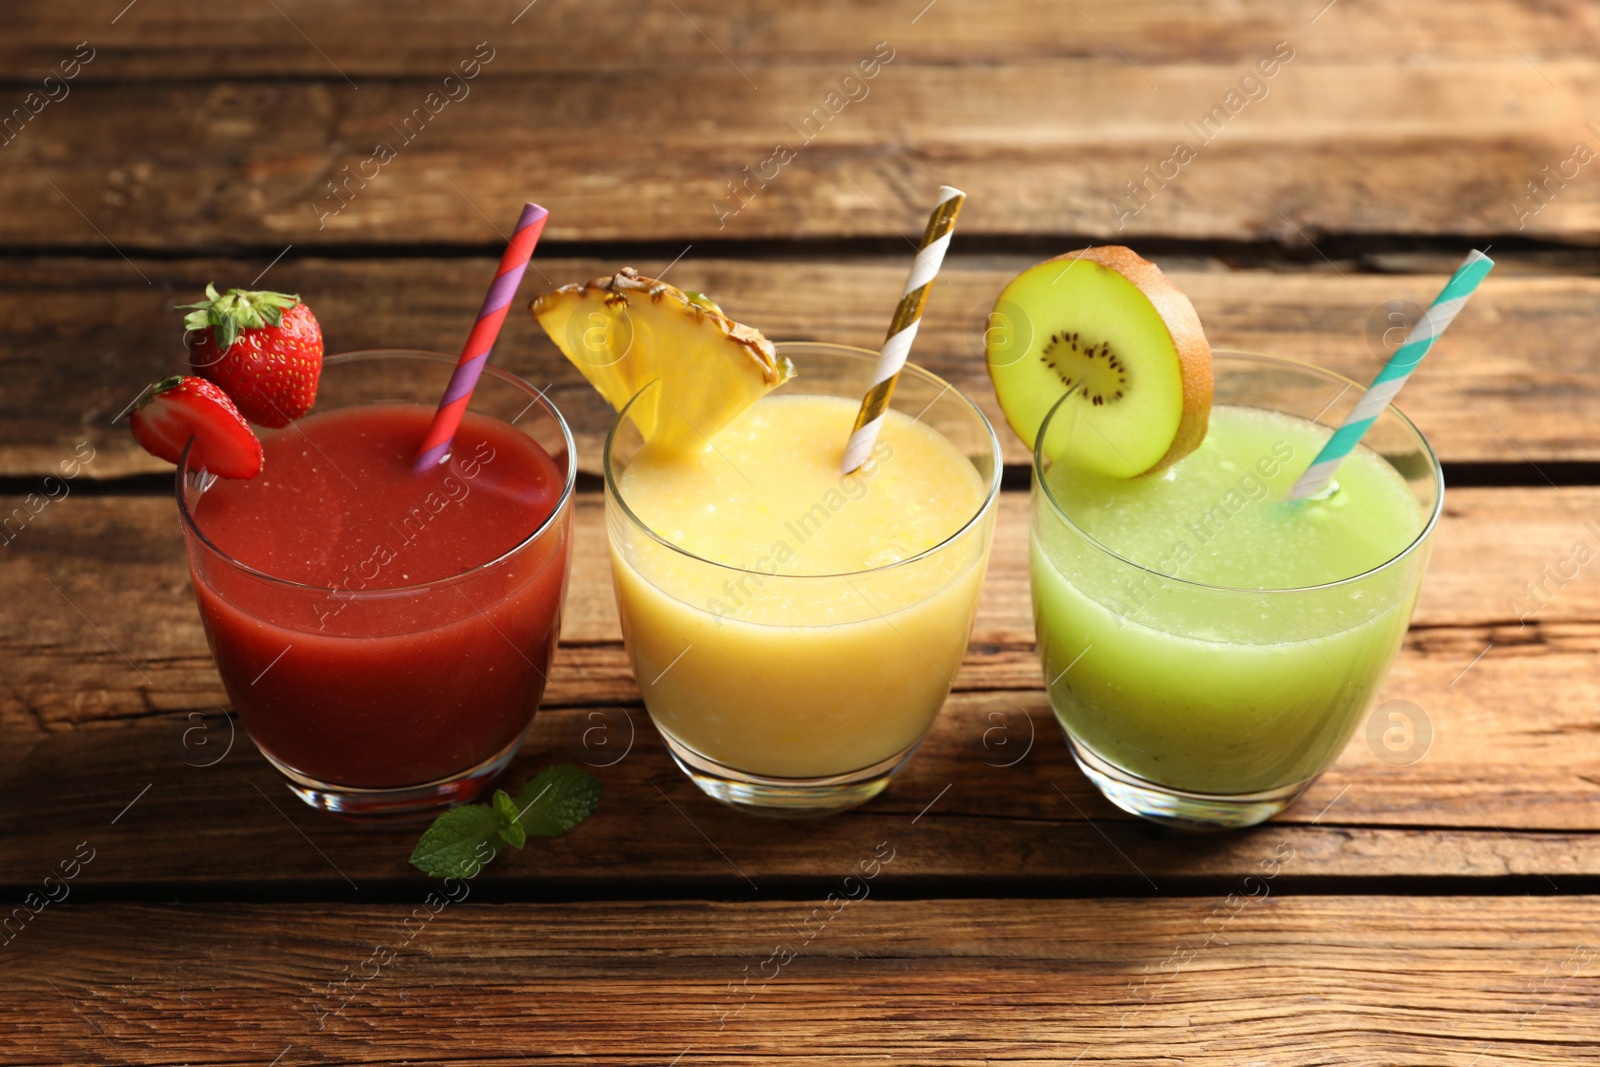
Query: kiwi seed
[{"x": 1103, "y": 375}]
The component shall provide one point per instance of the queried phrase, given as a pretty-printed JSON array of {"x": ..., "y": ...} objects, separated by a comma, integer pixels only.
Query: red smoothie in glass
[{"x": 406, "y": 627}]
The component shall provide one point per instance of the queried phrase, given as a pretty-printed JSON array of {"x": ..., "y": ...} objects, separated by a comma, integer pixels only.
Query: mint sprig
[
  {"x": 458, "y": 843},
  {"x": 557, "y": 799},
  {"x": 510, "y": 827},
  {"x": 462, "y": 840}
]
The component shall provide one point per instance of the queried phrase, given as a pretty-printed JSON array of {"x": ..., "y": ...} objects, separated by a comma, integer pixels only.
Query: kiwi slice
[{"x": 1108, "y": 327}]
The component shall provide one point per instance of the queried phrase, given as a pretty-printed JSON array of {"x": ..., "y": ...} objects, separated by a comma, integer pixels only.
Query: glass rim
[
  {"x": 863, "y": 355},
  {"x": 1286, "y": 363},
  {"x": 422, "y": 356}
]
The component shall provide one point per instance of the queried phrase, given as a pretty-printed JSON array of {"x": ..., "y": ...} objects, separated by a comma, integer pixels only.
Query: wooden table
[{"x": 1441, "y": 911}]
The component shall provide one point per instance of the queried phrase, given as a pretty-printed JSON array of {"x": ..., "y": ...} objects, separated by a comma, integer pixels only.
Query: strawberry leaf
[
  {"x": 236, "y": 311},
  {"x": 227, "y": 332}
]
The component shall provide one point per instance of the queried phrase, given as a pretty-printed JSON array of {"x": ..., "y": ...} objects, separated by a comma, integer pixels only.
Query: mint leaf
[
  {"x": 557, "y": 799},
  {"x": 463, "y": 840},
  {"x": 458, "y": 843},
  {"x": 505, "y": 810}
]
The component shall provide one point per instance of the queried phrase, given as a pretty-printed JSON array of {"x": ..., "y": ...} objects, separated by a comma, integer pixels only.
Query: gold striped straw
[{"x": 903, "y": 330}]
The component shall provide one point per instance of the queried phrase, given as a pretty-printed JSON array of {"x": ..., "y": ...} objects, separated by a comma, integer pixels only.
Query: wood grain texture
[
  {"x": 95, "y": 579},
  {"x": 1508, "y": 787},
  {"x": 1042, "y": 145},
  {"x": 199, "y": 132},
  {"x": 970, "y": 823},
  {"x": 1499, "y": 389},
  {"x": 1208, "y": 982},
  {"x": 168, "y": 40}
]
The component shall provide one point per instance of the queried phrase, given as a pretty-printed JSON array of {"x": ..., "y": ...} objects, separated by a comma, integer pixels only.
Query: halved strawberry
[
  {"x": 264, "y": 349},
  {"x": 176, "y": 409}
]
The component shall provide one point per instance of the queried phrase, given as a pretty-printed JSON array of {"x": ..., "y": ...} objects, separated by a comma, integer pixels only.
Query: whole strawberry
[{"x": 263, "y": 349}]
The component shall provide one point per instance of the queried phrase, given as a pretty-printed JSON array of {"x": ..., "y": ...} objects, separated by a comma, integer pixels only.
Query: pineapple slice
[{"x": 625, "y": 332}]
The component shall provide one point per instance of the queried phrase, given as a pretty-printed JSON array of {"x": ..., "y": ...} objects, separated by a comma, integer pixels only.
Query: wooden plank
[
  {"x": 120, "y": 562},
  {"x": 1500, "y": 391},
  {"x": 1042, "y": 145},
  {"x": 1507, "y": 788},
  {"x": 166, "y": 40},
  {"x": 101, "y": 632},
  {"x": 1211, "y": 982},
  {"x": 1036, "y": 825}
]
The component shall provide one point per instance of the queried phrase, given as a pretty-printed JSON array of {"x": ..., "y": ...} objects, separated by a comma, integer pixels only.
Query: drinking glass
[
  {"x": 815, "y": 690},
  {"x": 392, "y": 701},
  {"x": 1211, "y": 707}
]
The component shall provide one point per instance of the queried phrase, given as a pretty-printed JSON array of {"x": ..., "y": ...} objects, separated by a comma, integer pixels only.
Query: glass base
[
  {"x": 1175, "y": 807},
  {"x": 785, "y": 798},
  {"x": 402, "y": 803}
]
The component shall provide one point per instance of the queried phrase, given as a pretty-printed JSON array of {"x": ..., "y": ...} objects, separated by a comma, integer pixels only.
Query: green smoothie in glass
[
  {"x": 1210, "y": 646},
  {"x": 1180, "y": 671}
]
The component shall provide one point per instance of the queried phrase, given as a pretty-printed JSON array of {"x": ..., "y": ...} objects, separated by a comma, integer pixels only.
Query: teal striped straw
[{"x": 1446, "y": 306}]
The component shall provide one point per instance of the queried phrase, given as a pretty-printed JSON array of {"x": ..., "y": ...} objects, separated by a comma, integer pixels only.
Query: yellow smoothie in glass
[{"x": 785, "y": 619}]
